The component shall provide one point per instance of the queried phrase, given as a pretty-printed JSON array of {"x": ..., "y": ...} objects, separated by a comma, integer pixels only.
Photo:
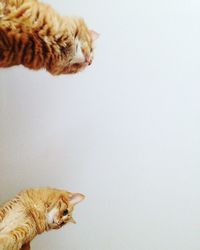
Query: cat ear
[
  {"x": 75, "y": 198},
  {"x": 94, "y": 35}
]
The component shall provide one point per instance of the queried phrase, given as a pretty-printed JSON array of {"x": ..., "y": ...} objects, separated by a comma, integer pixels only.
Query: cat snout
[
  {"x": 88, "y": 61},
  {"x": 60, "y": 223}
]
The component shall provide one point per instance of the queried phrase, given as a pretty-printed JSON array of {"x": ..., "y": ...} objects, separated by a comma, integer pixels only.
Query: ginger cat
[
  {"x": 33, "y": 212},
  {"x": 35, "y": 35}
]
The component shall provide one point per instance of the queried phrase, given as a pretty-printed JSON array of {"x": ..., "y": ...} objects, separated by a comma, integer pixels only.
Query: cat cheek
[
  {"x": 78, "y": 58},
  {"x": 52, "y": 215}
]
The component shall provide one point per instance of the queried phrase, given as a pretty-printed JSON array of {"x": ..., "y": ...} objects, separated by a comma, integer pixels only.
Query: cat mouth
[
  {"x": 83, "y": 64},
  {"x": 58, "y": 225},
  {"x": 61, "y": 224}
]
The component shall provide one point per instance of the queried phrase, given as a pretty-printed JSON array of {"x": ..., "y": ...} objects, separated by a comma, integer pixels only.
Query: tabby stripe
[
  {"x": 24, "y": 52},
  {"x": 12, "y": 54},
  {"x": 4, "y": 39},
  {"x": 49, "y": 63},
  {"x": 21, "y": 12},
  {"x": 19, "y": 49},
  {"x": 1, "y": 55},
  {"x": 32, "y": 50},
  {"x": 45, "y": 49}
]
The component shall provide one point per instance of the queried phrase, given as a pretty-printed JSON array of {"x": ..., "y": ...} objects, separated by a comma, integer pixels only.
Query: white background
[{"x": 126, "y": 132}]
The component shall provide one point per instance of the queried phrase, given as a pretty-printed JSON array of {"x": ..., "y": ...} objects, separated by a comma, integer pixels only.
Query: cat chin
[
  {"x": 54, "y": 226},
  {"x": 74, "y": 68}
]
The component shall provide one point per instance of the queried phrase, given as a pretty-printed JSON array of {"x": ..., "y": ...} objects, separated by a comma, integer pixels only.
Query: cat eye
[{"x": 65, "y": 212}]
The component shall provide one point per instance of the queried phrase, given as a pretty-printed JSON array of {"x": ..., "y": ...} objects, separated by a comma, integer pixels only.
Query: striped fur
[
  {"x": 35, "y": 35},
  {"x": 30, "y": 214}
]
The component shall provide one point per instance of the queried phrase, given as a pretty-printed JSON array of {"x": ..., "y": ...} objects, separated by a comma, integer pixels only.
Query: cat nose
[
  {"x": 61, "y": 223},
  {"x": 88, "y": 61}
]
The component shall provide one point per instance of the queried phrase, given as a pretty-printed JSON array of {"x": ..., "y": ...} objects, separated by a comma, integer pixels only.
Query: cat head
[
  {"x": 83, "y": 49},
  {"x": 60, "y": 211}
]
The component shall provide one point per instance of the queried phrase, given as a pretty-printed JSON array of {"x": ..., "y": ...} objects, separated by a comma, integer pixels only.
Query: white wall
[{"x": 125, "y": 132}]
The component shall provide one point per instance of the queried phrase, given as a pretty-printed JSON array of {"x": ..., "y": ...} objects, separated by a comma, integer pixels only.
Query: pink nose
[{"x": 89, "y": 61}]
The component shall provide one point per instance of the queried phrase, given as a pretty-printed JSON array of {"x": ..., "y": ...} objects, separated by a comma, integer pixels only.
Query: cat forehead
[
  {"x": 63, "y": 198},
  {"x": 64, "y": 201},
  {"x": 85, "y": 40},
  {"x": 57, "y": 199}
]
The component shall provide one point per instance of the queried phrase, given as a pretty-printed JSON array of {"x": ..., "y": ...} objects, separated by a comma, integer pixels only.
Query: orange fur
[
  {"x": 33, "y": 212},
  {"x": 35, "y": 35}
]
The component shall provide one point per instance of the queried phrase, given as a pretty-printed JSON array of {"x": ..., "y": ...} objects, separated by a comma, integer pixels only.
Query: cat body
[
  {"x": 35, "y": 35},
  {"x": 33, "y": 212}
]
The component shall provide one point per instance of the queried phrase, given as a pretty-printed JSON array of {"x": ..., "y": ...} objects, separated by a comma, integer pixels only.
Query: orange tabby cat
[
  {"x": 33, "y": 212},
  {"x": 34, "y": 35}
]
